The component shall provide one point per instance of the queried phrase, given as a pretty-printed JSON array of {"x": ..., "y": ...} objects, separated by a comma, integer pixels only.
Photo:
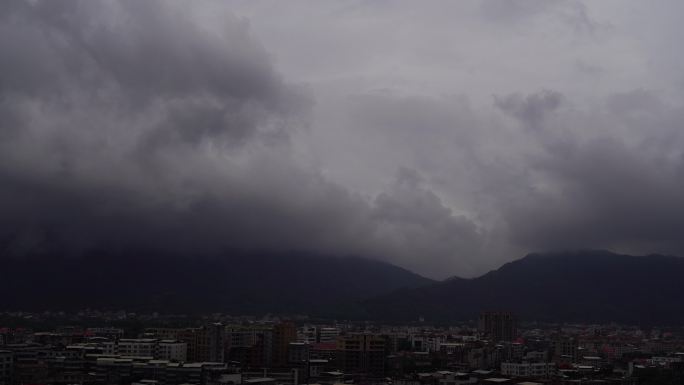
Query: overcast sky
[{"x": 447, "y": 137}]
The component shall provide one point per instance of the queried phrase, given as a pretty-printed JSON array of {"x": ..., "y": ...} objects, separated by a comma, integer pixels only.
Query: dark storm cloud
[
  {"x": 543, "y": 174},
  {"x": 617, "y": 188},
  {"x": 579, "y": 148},
  {"x": 140, "y": 124},
  {"x": 167, "y": 124},
  {"x": 131, "y": 123},
  {"x": 421, "y": 224}
]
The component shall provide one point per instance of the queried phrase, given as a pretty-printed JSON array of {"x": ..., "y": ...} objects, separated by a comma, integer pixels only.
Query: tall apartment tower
[
  {"x": 204, "y": 344},
  {"x": 565, "y": 349},
  {"x": 498, "y": 326},
  {"x": 362, "y": 353},
  {"x": 283, "y": 334},
  {"x": 217, "y": 334}
]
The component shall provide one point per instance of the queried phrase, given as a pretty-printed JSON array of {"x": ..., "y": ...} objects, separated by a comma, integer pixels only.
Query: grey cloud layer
[
  {"x": 140, "y": 124},
  {"x": 167, "y": 125}
]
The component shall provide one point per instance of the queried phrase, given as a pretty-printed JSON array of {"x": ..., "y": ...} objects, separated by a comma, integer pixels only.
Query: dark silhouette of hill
[
  {"x": 583, "y": 286},
  {"x": 238, "y": 284},
  {"x": 572, "y": 286}
]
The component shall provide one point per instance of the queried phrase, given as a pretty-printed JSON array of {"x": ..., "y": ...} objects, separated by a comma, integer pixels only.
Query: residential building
[
  {"x": 498, "y": 326},
  {"x": 361, "y": 353},
  {"x": 283, "y": 334},
  {"x": 6, "y": 366},
  {"x": 205, "y": 343},
  {"x": 172, "y": 350},
  {"x": 528, "y": 369},
  {"x": 566, "y": 349},
  {"x": 328, "y": 334},
  {"x": 140, "y": 347}
]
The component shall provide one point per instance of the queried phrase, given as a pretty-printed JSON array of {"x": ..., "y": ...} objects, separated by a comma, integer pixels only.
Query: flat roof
[
  {"x": 258, "y": 380},
  {"x": 482, "y": 371}
]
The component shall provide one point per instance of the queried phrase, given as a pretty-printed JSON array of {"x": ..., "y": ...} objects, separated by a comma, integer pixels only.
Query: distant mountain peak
[{"x": 584, "y": 285}]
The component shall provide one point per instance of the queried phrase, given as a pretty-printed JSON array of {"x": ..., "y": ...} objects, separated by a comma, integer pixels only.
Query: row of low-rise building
[
  {"x": 126, "y": 370},
  {"x": 88, "y": 364},
  {"x": 171, "y": 350},
  {"x": 528, "y": 369}
]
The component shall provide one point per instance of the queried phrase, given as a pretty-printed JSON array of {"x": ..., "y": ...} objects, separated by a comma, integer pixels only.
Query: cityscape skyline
[{"x": 215, "y": 349}]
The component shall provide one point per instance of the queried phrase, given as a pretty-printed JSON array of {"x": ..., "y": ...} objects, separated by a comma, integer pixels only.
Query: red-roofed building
[{"x": 324, "y": 351}]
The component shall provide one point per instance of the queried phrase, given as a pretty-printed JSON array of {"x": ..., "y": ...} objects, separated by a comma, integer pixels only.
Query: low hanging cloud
[
  {"x": 141, "y": 125},
  {"x": 612, "y": 178},
  {"x": 168, "y": 125},
  {"x": 534, "y": 171},
  {"x": 130, "y": 123}
]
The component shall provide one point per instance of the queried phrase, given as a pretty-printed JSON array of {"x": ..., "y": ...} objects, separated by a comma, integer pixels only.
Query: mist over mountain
[{"x": 583, "y": 286}]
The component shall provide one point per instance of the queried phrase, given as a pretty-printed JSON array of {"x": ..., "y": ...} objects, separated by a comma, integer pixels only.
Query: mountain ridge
[
  {"x": 585, "y": 285},
  {"x": 255, "y": 283}
]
